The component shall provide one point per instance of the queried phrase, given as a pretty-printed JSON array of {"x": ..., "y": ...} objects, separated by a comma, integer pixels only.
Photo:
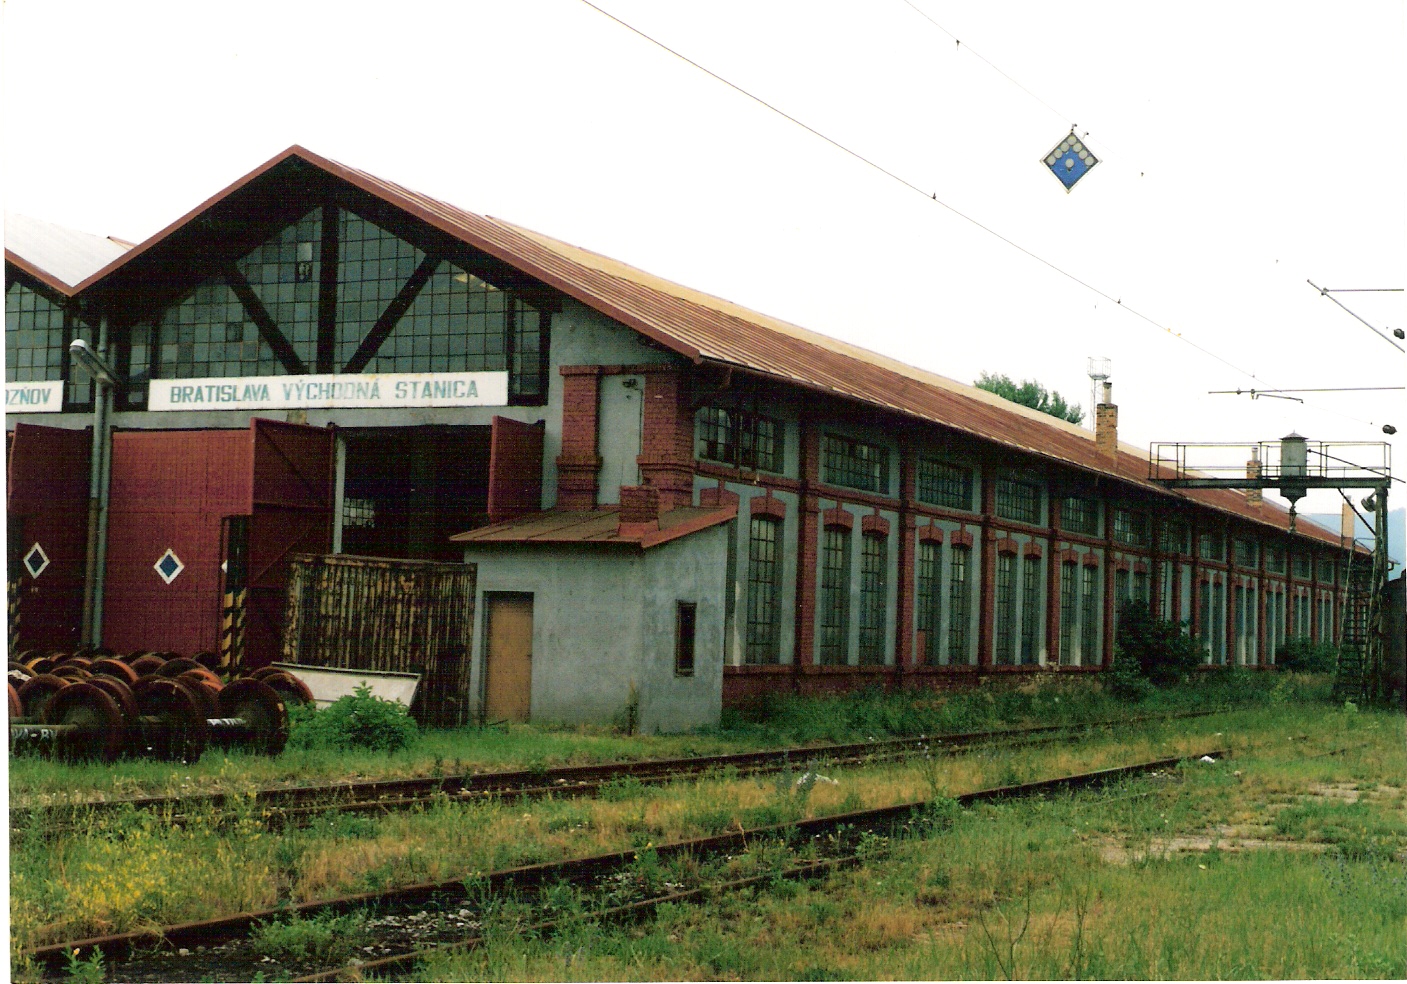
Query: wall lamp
[{"x": 91, "y": 362}]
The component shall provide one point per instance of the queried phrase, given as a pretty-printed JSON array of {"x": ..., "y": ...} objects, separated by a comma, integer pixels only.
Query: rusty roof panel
[
  {"x": 596, "y": 526},
  {"x": 57, "y": 256},
  {"x": 702, "y": 327}
]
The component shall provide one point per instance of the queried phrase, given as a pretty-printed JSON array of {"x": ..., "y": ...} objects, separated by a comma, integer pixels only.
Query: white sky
[{"x": 1245, "y": 147}]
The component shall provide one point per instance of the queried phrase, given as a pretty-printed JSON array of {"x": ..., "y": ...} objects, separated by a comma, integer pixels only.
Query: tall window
[
  {"x": 1326, "y": 571},
  {"x": 1121, "y": 594},
  {"x": 1079, "y": 515},
  {"x": 1030, "y": 609},
  {"x": 1165, "y": 591},
  {"x": 958, "y": 607},
  {"x": 945, "y": 483},
  {"x": 1089, "y": 617},
  {"x": 739, "y": 438},
  {"x": 1219, "y": 620},
  {"x": 1239, "y": 600},
  {"x": 929, "y": 601},
  {"x": 834, "y": 645},
  {"x": 1006, "y": 609},
  {"x": 764, "y": 578},
  {"x": 1019, "y": 500},
  {"x": 855, "y": 464},
  {"x": 1205, "y": 629},
  {"x": 873, "y": 600},
  {"x": 1069, "y": 611},
  {"x": 1141, "y": 587}
]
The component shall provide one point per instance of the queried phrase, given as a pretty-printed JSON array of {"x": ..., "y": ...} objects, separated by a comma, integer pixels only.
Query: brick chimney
[
  {"x": 1106, "y": 424},
  {"x": 1254, "y": 497},
  {"x": 639, "y": 510}
]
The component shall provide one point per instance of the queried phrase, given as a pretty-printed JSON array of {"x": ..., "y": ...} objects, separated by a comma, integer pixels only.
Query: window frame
[{"x": 843, "y": 464}]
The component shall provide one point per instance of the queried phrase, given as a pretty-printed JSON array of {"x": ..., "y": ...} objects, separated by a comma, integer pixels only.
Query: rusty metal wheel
[
  {"x": 114, "y": 668},
  {"x": 120, "y": 692},
  {"x": 263, "y": 712},
  {"x": 204, "y": 676},
  {"x": 82, "y": 662},
  {"x": 209, "y": 660},
  {"x": 39, "y": 665},
  {"x": 289, "y": 687},
  {"x": 19, "y": 672},
  {"x": 262, "y": 672},
  {"x": 175, "y": 667},
  {"x": 148, "y": 665},
  {"x": 207, "y": 696},
  {"x": 135, "y": 655},
  {"x": 16, "y": 708},
  {"x": 100, "y": 727},
  {"x": 172, "y": 725},
  {"x": 36, "y": 693},
  {"x": 71, "y": 672}
]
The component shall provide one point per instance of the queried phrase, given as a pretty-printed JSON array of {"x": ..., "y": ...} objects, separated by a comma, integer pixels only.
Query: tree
[{"x": 1031, "y": 394}]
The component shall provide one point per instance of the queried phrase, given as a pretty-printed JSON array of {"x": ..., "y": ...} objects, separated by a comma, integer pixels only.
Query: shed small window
[{"x": 685, "y": 619}]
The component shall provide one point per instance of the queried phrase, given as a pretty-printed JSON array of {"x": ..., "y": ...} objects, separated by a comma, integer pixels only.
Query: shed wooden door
[{"x": 508, "y": 654}]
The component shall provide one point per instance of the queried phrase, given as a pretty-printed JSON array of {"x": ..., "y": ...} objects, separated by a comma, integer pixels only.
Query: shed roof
[
  {"x": 58, "y": 256},
  {"x": 597, "y": 526},
  {"x": 703, "y": 328}
]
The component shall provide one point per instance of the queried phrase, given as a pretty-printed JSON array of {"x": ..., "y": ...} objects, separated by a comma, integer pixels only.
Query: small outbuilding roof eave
[{"x": 595, "y": 527}]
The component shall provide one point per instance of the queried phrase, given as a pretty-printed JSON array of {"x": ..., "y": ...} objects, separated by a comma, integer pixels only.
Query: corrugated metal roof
[
  {"x": 60, "y": 257},
  {"x": 702, "y": 327},
  {"x": 600, "y": 526}
]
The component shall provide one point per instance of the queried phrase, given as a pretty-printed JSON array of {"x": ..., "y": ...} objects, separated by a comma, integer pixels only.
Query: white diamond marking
[
  {"x": 36, "y": 560},
  {"x": 169, "y": 567}
]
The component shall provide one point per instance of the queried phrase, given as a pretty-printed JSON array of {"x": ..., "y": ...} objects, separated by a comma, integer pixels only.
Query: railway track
[
  {"x": 284, "y": 806},
  {"x": 220, "y": 948}
]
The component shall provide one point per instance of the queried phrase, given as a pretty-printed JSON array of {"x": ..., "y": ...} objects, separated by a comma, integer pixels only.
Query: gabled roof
[
  {"x": 597, "y": 526},
  {"x": 58, "y": 257},
  {"x": 704, "y": 328}
]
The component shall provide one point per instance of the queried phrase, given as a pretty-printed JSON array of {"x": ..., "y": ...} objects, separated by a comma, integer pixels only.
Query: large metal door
[
  {"x": 293, "y": 473},
  {"x": 169, "y": 491},
  {"x": 47, "y": 530},
  {"x": 508, "y": 655}
]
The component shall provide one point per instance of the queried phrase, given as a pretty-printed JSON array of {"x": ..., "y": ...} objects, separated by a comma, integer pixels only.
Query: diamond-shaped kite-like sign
[
  {"x": 1070, "y": 161},
  {"x": 169, "y": 566},
  {"x": 36, "y": 560}
]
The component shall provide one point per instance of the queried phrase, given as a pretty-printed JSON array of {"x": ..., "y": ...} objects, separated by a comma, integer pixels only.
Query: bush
[
  {"x": 360, "y": 720},
  {"x": 1307, "y": 656},
  {"x": 1150, "y": 648}
]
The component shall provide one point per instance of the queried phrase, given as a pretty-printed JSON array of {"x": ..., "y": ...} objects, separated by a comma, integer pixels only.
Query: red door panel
[
  {"x": 515, "y": 469},
  {"x": 293, "y": 475},
  {"x": 169, "y": 491},
  {"x": 47, "y": 503}
]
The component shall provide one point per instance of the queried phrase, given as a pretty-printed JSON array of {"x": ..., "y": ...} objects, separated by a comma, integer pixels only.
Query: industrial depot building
[{"x": 672, "y": 502}]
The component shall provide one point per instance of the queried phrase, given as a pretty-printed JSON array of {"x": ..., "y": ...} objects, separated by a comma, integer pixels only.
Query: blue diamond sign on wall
[
  {"x": 169, "y": 566},
  {"x": 1070, "y": 161}
]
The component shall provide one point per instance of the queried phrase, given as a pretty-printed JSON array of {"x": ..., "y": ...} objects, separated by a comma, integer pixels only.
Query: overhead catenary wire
[
  {"x": 930, "y": 195},
  {"x": 1328, "y": 294}
]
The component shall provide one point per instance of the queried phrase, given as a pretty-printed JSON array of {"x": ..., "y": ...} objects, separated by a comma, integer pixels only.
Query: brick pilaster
[
  {"x": 906, "y": 651},
  {"x": 578, "y": 465},
  {"x": 987, "y": 595},
  {"x": 667, "y": 439},
  {"x": 808, "y": 530}
]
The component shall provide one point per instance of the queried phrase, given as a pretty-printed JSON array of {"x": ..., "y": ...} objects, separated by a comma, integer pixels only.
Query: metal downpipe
[{"x": 95, "y": 484}]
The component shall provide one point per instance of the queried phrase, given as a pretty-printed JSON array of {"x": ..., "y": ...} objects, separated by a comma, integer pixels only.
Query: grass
[
  {"x": 779, "y": 721},
  {"x": 130, "y": 870}
]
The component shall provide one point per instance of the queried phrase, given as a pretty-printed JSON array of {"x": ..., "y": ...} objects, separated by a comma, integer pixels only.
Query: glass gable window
[
  {"x": 764, "y": 579},
  {"x": 37, "y": 334},
  {"x": 1018, "y": 500},
  {"x": 855, "y": 464},
  {"x": 833, "y": 646},
  {"x": 1131, "y": 527},
  {"x": 873, "y": 602},
  {"x": 739, "y": 438},
  {"x": 1079, "y": 515},
  {"x": 945, "y": 483},
  {"x": 275, "y": 311}
]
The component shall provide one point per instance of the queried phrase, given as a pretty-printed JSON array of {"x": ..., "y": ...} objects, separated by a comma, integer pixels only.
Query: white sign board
[
  {"x": 329, "y": 682},
  {"x": 385, "y": 389},
  {"x": 34, "y": 397}
]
